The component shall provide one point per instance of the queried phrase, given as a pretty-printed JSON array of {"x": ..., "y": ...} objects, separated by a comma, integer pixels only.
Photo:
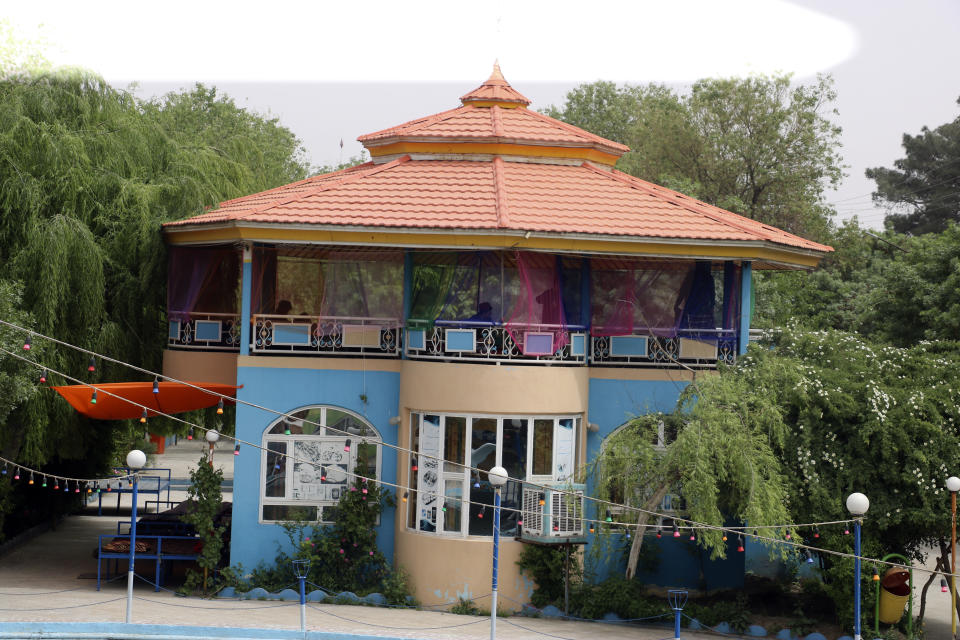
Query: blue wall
[
  {"x": 287, "y": 390},
  {"x": 680, "y": 562}
]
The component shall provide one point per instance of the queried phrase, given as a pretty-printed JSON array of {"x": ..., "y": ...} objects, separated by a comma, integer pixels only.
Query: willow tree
[
  {"x": 88, "y": 174},
  {"x": 720, "y": 452}
]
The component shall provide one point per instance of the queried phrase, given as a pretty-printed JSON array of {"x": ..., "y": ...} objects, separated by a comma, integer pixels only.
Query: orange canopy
[{"x": 115, "y": 400}]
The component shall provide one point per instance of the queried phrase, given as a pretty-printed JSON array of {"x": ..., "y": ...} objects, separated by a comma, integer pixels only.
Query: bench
[
  {"x": 152, "y": 480},
  {"x": 160, "y": 548}
]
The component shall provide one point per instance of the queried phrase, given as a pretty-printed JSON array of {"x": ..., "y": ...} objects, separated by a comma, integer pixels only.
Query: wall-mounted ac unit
[{"x": 553, "y": 514}]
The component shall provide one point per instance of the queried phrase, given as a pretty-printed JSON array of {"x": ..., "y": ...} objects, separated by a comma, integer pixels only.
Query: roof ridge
[
  {"x": 499, "y": 186},
  {"x": 739, "y": 222},
  {"x": 575, "y": 129},
  {"x": 420, "y": 123},
  {"x": 328, "y": 185},
  {"x": 496, "y": 121},
  {"x": 223, "y": 203}
]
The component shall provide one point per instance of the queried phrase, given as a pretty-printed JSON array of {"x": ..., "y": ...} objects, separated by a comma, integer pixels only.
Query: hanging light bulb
[
  {"x": 236, "y": 449},
  {"x": 156, "y": 384},
  {"x": 846, "y": 530},
  {"x": 109, "y": 487},
  {"x": 520, "y": 522},
  {"x": 481, "y": 512},
  {"x": 609, "y": 518},
  {"x": 406, "y": 494},
  {"x": 724, "y": 536},
  {"x": 413, "y": 464},
  {"x": 476, "y": 481},
  {"x": 43, "y": 376},
  {"x": 276, "y": 465},
  {"x": 16, "y": 474},
  {"x": 190, "y": 434},
  {"x": 676, "y": 530},
  {"x": 93, "y": 397},
  {"x": 943, "y": 584},
  {"x": 323, "y": 474},
  {"x": 816, "y": 532},
  {"x": 76, "y": 487},
  {"x": 591, "y": 527},
  {"x": 44, "y": 482},
  {"x": 346, "y": 446},
  {"x": 788, "y": 535},
  {"x": 286, "y": 429},
  {"x": 31, "y": 478},
  {"x": 26, "y": 343},
  {"x": 556, "y": 527},
  {"x": 658, "y": 531},
  {"x": 628, "y": 534},
  {"x": 56, "y": 484},
  {"x": 220, "y": 407},
  {"x": 740, "y": 542},
  {"x": 876, "y": 575},
  {"x": 692, "y": 535},
  {"x": 809, "y": 556},
  {"x": 4, "y": 468},
  {"x": 89, "y": 489},
  {"x": 92, "y": 365},
  {"x": 66, "y": 486},
  {"x": 143, "y": 417},
  {"x": 542, "y": 500}
]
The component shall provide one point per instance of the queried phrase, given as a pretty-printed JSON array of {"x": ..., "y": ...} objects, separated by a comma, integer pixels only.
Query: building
[{"x": 486, "y": 290}]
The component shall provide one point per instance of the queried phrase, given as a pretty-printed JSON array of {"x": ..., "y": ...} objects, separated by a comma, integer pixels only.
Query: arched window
[{"x": 309, "y": 459}]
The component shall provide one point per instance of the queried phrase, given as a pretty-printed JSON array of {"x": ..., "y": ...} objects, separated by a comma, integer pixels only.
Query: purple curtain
[
  {"x": 202, "y": 280},
  {"x": 638, "y": 296}
]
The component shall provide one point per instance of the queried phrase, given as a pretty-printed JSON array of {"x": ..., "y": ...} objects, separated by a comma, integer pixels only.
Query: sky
[{"x": 334, "y": 71}]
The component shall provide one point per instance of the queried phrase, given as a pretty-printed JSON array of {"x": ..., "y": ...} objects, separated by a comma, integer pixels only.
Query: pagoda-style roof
[{"x": 491, "y": 173}]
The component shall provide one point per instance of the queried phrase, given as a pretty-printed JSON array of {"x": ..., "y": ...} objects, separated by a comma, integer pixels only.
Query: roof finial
[
  {"x": 497, "y": 74},
  {"x": 496, "y": 89}
]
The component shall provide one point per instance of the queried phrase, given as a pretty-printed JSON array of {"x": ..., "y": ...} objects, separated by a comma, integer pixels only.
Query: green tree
[
  {"x": 757, "y": 146},
  {"x": 922, "y": 191},
  {"x": 87, "y": 176}
]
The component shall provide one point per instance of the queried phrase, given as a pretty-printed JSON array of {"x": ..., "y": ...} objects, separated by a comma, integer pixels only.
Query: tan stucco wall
[
  {"x": 201, "y": 366},
  {"x": 444, "y": 568}
]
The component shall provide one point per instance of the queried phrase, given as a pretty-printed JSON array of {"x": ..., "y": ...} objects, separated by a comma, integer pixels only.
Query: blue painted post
[
  {"x": 246, "y": 288},
  {"x": 407, "y": 298},
  {"x": 133, "y": 546},
  {"x": 303, "y": 605},
  {"x": 496, "y": 554},
  {"x": 856, "y": 579},
  {"x": 746, "y": 285},
  {"x": 677, "y": 599}
]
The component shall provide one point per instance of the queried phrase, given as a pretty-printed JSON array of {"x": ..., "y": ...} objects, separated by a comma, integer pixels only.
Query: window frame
[
  {"x": 419, "y": 502},
  {"x": 290, "y": 441}
]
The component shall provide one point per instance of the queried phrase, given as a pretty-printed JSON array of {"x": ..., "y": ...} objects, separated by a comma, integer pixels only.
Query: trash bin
[{"x": 894, "y": 594}]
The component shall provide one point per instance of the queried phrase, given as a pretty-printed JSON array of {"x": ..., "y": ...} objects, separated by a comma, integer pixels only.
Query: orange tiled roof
[{"x": 519, "y": 196}]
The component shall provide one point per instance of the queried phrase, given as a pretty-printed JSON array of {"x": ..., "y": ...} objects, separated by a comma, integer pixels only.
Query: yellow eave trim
[
  {"x": 495, "y": 149},
  {"x": 798, "y": 258},
  {"x": 491, "y": 103}
]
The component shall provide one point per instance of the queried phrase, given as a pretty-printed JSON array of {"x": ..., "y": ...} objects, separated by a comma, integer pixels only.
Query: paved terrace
[{"x": 52, "y": 579}]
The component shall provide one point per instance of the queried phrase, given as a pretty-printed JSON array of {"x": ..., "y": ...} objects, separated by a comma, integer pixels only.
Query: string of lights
[{"x": 682, "y": 523}]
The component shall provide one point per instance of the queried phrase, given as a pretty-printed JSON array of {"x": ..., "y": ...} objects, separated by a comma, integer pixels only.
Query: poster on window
[
  {"x": 314, "y": 460},
  {"x": 429, "y": 475},
  {"x": 564, "y": 458}
]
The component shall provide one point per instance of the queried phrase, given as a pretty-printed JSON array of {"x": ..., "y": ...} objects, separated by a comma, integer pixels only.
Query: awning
[{"x": 172, "y": 397}]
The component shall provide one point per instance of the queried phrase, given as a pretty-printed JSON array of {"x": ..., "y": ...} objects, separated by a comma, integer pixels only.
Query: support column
[
  {"x": 407, "y": 298},
  {"x": 246, "y": 288},
  {"x": 746, "y": 294}
]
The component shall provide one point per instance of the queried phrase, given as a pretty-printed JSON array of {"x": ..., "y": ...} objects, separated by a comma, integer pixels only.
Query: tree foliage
[
  {"x": 757, "y": 146},
  {"x": 87, "y": 176},
  {"x": 922, "y": 191}
]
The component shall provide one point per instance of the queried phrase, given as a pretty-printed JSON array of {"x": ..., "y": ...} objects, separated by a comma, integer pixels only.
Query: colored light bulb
[
  {"x": 26, "y": 343},
  {"x": 156, "y": 384},
  {"x": 236, "y": 450},
  {"x": 43, "y": 377},
  {"x": 220, "y": 407},
  {"x": 93, "y": 397},
  {"x": 346, "y": 445},
  {"x": 92, "y": 365},
  {"x": 143, "y": 417}
]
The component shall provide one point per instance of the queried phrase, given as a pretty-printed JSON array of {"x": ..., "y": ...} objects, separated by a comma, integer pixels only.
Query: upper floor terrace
[{"x": 467, "y": 306}]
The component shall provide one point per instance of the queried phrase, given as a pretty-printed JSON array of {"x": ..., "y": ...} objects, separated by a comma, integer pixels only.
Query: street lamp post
[
  {"x": 136, "y": 460},
  {"x": 498, "y": 477},
  {"x": 212, "y": 436},
  {"x": 857, "y": 505},
  {"x": 953, "y": 485}
]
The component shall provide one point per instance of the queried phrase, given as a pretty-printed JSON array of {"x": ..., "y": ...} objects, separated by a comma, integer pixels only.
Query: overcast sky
[{"x": 334, "y": 71}]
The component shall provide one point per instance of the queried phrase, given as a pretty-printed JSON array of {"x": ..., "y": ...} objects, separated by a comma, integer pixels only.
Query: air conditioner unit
[{"x": 559, "y": 519}]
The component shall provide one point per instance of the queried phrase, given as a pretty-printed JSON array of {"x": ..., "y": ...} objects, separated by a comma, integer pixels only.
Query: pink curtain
[{"x": 538, "y": 304}]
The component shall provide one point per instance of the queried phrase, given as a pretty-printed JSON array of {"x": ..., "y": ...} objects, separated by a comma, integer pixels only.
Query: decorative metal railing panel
[
  {"x": 207, "y": 331},
  {"x": 689, "y": 348},
  {"x": 326, "y": 335},
  {"x": 490, "y": 342}
]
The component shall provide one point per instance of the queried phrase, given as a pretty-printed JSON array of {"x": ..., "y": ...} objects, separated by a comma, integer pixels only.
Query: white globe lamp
[
  {"x": 857, "y": 504},
  {"x": 136, "y": 459}
]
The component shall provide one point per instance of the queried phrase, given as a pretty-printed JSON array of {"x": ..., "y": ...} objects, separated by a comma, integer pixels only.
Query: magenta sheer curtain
[
  {"x": 631, "y": 296},
  {"x": 202, "y": 280},
  {"x": 538, "y": 302}
]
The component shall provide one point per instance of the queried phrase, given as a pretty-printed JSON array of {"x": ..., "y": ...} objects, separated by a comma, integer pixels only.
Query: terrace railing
[
  {"x": 695, "y": 348},
  {"x": 326, "y": 335},
  {"x": 477, "y": 341},
  {"x": 207, "y": 331}
]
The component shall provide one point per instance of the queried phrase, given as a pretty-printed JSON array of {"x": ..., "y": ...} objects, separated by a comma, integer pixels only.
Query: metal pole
[
  {"x": 303, "y": 607},
  {"x": 856, "y": 580},
  {"x": 676, "y": 624},
  {"x": 133, "y": 545},
  {"x": 953, "y": 564},
  {"x": 496, "y": 551}
]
